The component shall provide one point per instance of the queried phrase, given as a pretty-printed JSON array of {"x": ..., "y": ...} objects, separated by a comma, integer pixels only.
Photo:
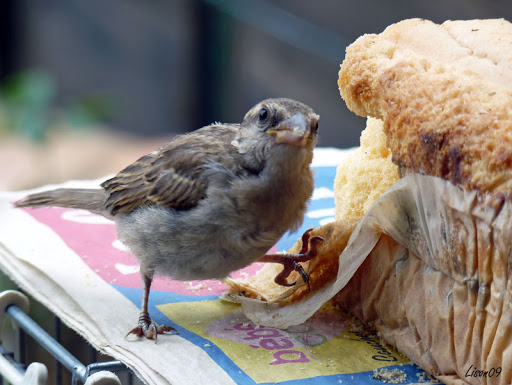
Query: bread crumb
[
  {"x": 424, "y": 377},
  {"x": 196, "y": 287},
  {"x": 393, "y": 376}
]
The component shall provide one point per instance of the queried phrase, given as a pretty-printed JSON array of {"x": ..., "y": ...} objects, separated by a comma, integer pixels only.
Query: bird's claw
[
  {"x": 290, "y": 266},
  {"x": 291, "y": 263},
  {"x": 149, "y": 329}
]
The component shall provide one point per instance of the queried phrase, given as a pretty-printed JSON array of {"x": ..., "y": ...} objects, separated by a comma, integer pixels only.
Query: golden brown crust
[
  {"x": 321, "y": 270},
  {"x": 444, "y": 93},
  {"x": 444, "y": 96}
]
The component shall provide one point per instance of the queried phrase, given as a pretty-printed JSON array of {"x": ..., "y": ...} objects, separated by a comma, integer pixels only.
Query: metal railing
[{"x": 15, "y": 305}]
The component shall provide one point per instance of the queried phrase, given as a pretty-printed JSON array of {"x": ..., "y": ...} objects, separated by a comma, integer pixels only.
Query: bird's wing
[
  {"x": 173, "y": 176},
  {"x": 147, "y": 182}
]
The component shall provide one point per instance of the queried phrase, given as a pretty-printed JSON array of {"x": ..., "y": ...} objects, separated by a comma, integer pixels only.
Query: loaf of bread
[
  {"x": 425, "y": 261},
  {"x": 442, "y": 294},
  {"x": 444, "y": 93}
]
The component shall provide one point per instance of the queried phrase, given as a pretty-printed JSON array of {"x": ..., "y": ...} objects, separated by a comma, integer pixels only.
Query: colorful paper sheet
[{"x": 71, "y": 261}]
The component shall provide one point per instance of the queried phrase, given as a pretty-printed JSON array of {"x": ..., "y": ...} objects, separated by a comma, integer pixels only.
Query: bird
[{"x": 211, "y": 201}]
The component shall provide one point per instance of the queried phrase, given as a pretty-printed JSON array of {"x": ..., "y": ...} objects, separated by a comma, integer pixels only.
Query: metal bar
[
  {"x": 213, "y": 56},
  {"x": 270, "y": 18},
  {"x": 115, "y": 366},
  {"x": 58, "y": 365},
  {"x": 78, "y": 370},
  {"x": 21, "y": 347}
]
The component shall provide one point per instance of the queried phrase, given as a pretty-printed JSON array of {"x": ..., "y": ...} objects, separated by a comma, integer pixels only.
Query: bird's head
[{"x": 278, "y": 123}]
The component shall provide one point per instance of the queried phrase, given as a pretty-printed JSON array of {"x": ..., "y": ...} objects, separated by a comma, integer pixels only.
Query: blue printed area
[
  {"x": 161, "y": 297},
  {"x": 321, "y": 206},
  {"x": 233, "y": 370},
  {"x": 362, "y": 378}
]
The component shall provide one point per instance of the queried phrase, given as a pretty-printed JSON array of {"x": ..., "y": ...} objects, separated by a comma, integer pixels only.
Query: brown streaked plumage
[{"x": 173, "y": 175}]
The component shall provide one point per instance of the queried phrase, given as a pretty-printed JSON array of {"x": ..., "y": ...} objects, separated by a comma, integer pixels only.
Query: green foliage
[
  {"x": 27, "y": 98},
  {"x": 28, "y": 106}
]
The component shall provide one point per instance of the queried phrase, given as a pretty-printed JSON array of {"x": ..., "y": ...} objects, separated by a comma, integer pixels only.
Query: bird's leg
[
  {"x": 146, "y": 326},
  {"x": 291, "y": 261}
]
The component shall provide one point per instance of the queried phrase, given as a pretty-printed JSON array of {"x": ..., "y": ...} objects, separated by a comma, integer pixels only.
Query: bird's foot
[
  {"x": 291, "y": 261},
  {"x": 148, "y": 328}
]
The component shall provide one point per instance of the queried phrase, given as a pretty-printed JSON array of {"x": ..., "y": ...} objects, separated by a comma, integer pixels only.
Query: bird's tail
[{"x": 87, "y": 199}]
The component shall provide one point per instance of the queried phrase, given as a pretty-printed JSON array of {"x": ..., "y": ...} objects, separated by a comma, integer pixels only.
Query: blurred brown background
[{"x": 88, "y": 86}]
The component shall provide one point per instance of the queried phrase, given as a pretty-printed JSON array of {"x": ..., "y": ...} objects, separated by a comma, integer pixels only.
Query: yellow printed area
[{"x": 327, "y": 344}]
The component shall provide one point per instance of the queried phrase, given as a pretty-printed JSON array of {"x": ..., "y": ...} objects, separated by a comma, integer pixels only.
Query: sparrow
[{"x": 211, "y": 201}]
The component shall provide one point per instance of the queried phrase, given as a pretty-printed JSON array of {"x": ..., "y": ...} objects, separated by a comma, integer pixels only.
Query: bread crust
[
  {"x": 321, "y": 270},
  {"x": 444, "y": 93}
]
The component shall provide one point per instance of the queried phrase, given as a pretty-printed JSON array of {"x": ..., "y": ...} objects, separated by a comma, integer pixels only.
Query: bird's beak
[{"x": 292, "y": 131}]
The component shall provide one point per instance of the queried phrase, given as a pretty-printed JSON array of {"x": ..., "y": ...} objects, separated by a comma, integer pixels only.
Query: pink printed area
[
  {"x": 289, "y": 346},
  {"x": 94, "y": 239}
]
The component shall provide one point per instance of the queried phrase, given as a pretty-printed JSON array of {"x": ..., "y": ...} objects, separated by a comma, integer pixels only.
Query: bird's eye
[{"x": 263, "y": 115}]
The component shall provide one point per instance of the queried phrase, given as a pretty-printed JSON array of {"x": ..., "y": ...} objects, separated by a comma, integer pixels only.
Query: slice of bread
[{"x": 365, "y": 174}]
